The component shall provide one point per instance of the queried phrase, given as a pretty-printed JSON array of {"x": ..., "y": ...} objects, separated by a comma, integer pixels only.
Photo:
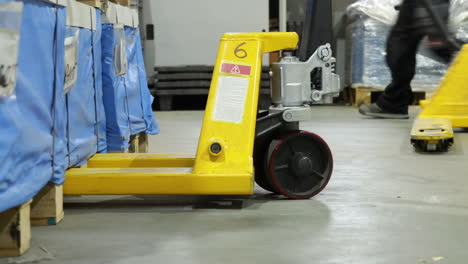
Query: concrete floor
[{"x": 384, "y": 204}]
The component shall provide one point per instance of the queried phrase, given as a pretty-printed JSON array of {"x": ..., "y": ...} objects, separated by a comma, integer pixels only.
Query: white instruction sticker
[
  {"x": 120, "y": 51},
  {"x": 71, "y": 61},
  {"x": 10, "y": 23},
  {"x": 230, "y": 99}
]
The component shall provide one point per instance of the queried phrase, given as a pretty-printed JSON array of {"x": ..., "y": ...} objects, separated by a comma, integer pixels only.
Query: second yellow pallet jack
[
  {"x": 237, "y": 145},
  {"x": 433, "y": 129}
]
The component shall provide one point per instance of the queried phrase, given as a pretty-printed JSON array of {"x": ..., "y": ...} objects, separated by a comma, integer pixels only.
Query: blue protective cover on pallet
[
  {"x": 100, "y": 113},
  {"x": 79, "y": 115},
  {"x": 85, "y": 109},
  {"x": 81, "y": 106},
  {"x": 115, "y": 104},
  {"x": 59, "y": 131},
  {"x": 127, "y": 99},
  {"x": 132, "y": 84},
  {"x": 145, "y": 95},
  {"x": 26, "y": 117}
]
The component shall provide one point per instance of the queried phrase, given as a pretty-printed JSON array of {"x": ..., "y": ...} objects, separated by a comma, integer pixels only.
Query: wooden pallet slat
[
  {"x": 366, "y": 95},
  {"x": 93, "y": 3},
  {"x": 122, "y": 2},
  {"x": 47, "y": 206},
  {"x": 15, "y": 231},
  {"x": 139, "y": 143}
]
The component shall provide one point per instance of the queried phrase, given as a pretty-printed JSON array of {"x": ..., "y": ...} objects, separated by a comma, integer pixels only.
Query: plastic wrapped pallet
[
  {"x": 83, "y": 85},
  {"x": 369, "y": 24},
  {"x": 459, "y": 19},
  {"x": 127, "y": 99},
  {"x": 26, "y": 111}
]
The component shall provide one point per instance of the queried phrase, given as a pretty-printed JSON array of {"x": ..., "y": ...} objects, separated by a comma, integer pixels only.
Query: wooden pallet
[
  {"x": 93, "y": 3},
  {"x": 138, "y": 143},
  {"x": 15, "y": 224},
  {"x": 15, "y": 231},
  {"x": 367, "y": 95},
  {"x": 122, "y": 2},
  {"x": 47, "y": 206}
]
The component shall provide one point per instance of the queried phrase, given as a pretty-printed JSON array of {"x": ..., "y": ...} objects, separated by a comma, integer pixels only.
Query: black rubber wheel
[
  {"x": 260, "y": 158},
  {"x": 300, "y": 165},
  {"x": 422, "y": 146},
  {"x": 418, "y": 146}
]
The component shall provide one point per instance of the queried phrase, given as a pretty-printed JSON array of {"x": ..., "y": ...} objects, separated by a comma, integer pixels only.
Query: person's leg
[{"x": 402, "y": 47}]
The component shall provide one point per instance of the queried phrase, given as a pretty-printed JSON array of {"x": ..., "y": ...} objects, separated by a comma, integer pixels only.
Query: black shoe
[{"x": 375, "y": 111}]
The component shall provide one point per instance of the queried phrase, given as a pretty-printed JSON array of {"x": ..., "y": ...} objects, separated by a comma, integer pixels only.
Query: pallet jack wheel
[
  {"x": 300, "y": 165},
  {"x": 260, "y": 163}
]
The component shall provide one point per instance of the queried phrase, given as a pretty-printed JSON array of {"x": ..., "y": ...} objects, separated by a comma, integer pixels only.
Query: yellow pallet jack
[
  {"x": 234, "y": 136},
  {"x": 433, "y": 129}
]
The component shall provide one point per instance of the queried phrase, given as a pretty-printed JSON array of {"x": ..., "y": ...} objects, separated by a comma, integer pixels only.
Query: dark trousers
[{"x": 402, "y": 46}]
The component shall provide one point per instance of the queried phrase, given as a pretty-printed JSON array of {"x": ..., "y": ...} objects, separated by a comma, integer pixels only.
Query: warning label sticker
[
  {"x": 234, "y": 68},
  {"x": 230, "y": 99}
]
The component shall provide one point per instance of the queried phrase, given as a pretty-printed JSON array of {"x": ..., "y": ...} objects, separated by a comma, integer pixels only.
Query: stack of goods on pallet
[
  {"x": 57, "y": 59},
  {"x": 32, "y": 45},
  {"x": 127, "y": 100},
  {"x": 368, "y": 27},
  {"x": 194, "y": 80},
  {"x": 84, "y": 109},
  {"x": 122, "y": 2},
  {"x": 32, "y": 35}
]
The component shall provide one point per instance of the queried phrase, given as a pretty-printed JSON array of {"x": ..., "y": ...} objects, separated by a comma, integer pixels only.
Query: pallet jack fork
[
  {"x": 295, "y": 163},
  {"x": 433, "y": 129}
]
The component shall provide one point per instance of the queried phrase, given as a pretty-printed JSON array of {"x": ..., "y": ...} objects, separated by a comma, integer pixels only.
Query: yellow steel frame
[
  {"x": 448, "y": 107},
  {"x": 229, "y": 124}
]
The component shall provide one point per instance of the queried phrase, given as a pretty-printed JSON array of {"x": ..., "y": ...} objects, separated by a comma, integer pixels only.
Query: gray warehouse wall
[
  {"x": 187, "y": 32},
  {"x": 184, "y": 26}
]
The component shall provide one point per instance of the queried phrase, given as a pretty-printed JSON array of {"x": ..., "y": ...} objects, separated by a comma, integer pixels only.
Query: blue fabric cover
[
  {"x": 127, "y": 99},
  {"x": 100, "y": 113},
  {"x": 132, "y": 85},
  {"x": 85, "y": 108},
  {"x": 115, "y": 103},
  {"x": 81, "y": 108},
  {"x": 26, "y": 117},
  {"x": 138, "y": 94},
  {"x": 60, "y": 156}
]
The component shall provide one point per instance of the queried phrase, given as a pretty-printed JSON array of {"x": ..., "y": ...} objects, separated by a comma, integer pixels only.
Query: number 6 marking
[{"x": 240, "y": 53}]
